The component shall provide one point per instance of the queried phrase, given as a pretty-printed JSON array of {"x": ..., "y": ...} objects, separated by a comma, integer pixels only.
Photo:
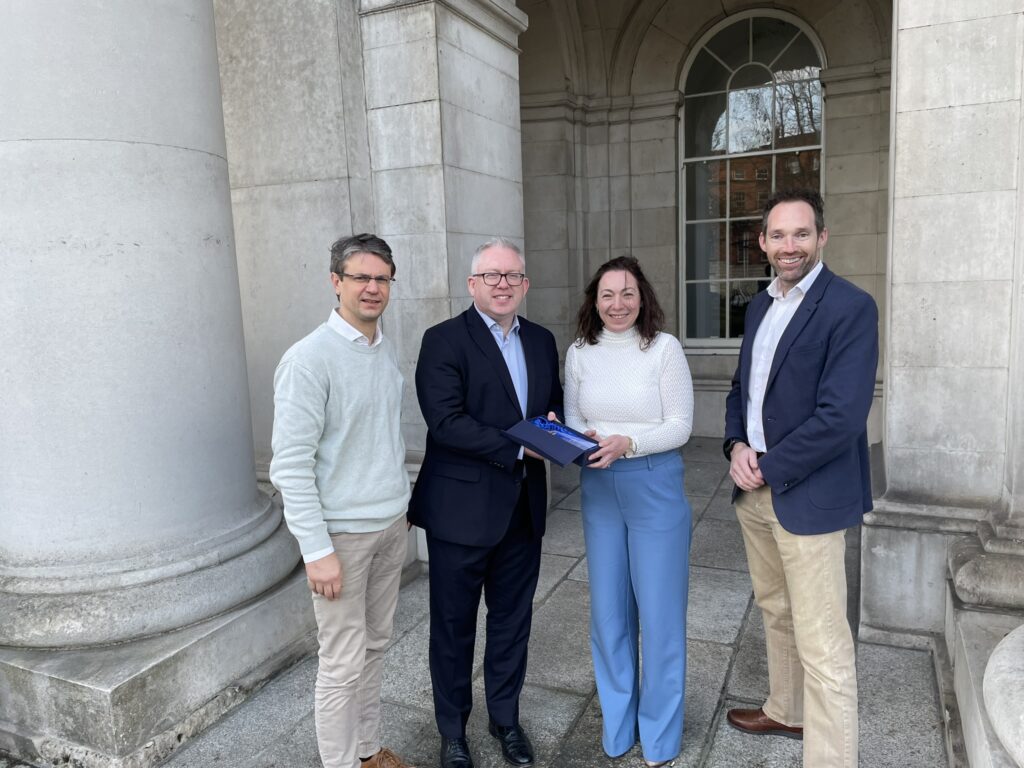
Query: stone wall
[{"x": 298, "y": 160}]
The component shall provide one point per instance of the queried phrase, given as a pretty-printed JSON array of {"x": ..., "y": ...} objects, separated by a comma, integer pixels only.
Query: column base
[
  {"x": 971, "y": 636},
  {"x": 131, "y": 705}
]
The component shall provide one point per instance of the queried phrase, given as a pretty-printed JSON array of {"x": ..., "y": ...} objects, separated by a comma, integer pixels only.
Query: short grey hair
[
  {"x": 345, "y": 248},
  {"x": 495, "y": 242}
]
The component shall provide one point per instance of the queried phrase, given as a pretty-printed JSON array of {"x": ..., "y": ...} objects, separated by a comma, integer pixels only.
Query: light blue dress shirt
[{"x": 511, "y": 347}]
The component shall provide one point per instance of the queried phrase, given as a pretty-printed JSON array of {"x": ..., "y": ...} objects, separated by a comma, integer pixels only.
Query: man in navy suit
[
  {"x": 482, "y": 498},
  {"x": 796, "y": 439}
]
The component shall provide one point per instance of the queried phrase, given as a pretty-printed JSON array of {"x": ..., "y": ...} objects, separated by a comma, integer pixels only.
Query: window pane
[
  {"x": 705, "y": 190},
  {"x": 740, "y": 295},
  {"x": 770, "y": 37},
  {"x": 750, "y": 122},
  {"x": 750, "y": 184},
  {"x": 797, "y": 56},
  {"x": 752, "y": 75},
  {"x": 746, "y": 259},
  {"x": 705, "y": 125},
  {"x": 705, "y": 251},
  {"x": 706, "y": 75},
  {"x": 732, "y": 44},
  {"x": 705, "y": 310},
  {"x": 797, "y": 114},
  {"x": 798, "y": 170}
]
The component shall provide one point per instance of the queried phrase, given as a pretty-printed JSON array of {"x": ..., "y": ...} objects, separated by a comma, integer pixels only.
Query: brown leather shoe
[
  {"x": 755, "y": 721},
  {"x": 385, "y": 758}
]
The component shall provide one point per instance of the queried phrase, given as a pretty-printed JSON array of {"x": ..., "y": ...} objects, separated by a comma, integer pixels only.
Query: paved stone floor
[{"x": 900, "y": 719}]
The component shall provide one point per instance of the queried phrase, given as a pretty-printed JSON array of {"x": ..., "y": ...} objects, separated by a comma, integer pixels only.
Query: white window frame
[{"x": 727, "y": 345}]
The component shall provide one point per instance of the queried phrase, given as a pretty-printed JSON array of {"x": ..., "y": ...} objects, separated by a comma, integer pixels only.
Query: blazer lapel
[
  {"x": 803, "y": 315},
  {"x": 481, "y": 336},
  {"x": 534, "y": 363}
]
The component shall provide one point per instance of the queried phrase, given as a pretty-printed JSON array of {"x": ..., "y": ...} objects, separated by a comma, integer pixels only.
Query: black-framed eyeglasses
[
  {"x": 380, "y": 280},
  {"x": 493, "y": 278}
]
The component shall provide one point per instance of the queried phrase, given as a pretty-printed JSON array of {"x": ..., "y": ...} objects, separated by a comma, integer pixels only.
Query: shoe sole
[{"x": 773, "y": 732}]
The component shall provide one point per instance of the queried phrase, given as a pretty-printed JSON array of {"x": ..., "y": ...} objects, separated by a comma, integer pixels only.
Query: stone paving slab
[
  {"x": 718, "y": 544},
  {"x": 717, "y": 604}
]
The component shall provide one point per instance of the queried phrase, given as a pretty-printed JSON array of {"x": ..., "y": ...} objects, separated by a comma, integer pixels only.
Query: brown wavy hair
[{"x": 650, "y": 320}]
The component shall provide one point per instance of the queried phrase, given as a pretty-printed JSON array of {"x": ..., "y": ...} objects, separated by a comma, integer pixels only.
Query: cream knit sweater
[{"x": 618, "y": 389}]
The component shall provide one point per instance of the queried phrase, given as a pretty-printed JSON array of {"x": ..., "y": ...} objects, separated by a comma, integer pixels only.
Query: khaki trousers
[
  {"x": 353, "y": 631},
  {"x": 800, "y": 587}
]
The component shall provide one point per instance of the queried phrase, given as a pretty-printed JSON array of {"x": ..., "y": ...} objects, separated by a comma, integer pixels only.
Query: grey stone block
[
  {"x": 553, "y": 570},
  {"x": 900, "y": 722},
  {"x": 706, "y": 667},
  {"x": 580, "y": 572},
  {"x": 564, "y": 535},
  {"x": 748, "y": 678},
  {"x": 571, "y": 501},
  {"x": 582, "y": 748},
  {"x": 407, "y": 670},
  {"x": 560, "y": 641},
  {"x": 413, "y": 607},
  {"x": 718, "y": 544},
  {"x": 703, "y": 479},
  {"x": 270, "y": 716},
  {"x": 718, "y": 602},
  {"x": 720, "y": 507},
  {"x": 140, "y": 700}
]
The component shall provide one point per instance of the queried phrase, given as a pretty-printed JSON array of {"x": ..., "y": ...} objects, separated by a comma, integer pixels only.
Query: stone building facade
[{"x": 174, "y": 174}]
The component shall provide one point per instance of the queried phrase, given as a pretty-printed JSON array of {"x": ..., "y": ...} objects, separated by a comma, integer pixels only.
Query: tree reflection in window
[{"x": 752, "y": 117}]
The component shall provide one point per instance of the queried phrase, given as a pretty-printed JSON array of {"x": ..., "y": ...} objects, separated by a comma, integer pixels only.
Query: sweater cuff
[{"x": 320, "y": 553}]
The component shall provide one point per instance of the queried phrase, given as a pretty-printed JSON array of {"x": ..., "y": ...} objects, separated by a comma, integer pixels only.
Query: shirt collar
[
  {"x": 803, "y": 286},
  {"x": 493, "y": 324},
  {"x": 346, "y": 330}
]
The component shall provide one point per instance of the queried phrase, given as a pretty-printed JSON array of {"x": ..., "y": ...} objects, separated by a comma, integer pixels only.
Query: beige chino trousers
[
  {"x": 800, "y": 587},
  {"x": 353, "y": 631}
]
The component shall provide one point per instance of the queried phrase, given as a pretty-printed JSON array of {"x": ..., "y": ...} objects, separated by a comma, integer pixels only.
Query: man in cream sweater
[{"x": 339, "y": 462}]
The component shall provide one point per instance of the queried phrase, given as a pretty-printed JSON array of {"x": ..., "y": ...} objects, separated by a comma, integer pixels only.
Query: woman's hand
[{"x": 609, "y": 449}]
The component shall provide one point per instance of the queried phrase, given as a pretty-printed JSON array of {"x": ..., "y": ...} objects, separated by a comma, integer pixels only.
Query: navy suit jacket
[
  {"x": 816, "y": 405},
  {"x": 467, "y": 488}
]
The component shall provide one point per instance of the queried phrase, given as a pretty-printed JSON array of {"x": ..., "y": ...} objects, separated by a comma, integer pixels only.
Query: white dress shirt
[{"x": 766, "y": 341}]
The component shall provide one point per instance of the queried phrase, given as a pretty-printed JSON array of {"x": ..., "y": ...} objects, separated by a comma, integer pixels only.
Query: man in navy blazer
[
  {"x": 482, "y": 498},
  {"x": 796, "y": 439}
]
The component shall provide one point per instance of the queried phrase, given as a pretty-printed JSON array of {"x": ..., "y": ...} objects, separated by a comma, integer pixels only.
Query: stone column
[
  {"x": 129, "y": 505},
  {"x": 949, "y": 384},
  {"x": 442, "y": 94}
]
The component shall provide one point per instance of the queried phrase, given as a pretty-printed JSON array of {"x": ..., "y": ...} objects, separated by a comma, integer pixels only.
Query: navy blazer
[
  {"x": 816, "y": 405},
  {"x": 467, "y": 488}
]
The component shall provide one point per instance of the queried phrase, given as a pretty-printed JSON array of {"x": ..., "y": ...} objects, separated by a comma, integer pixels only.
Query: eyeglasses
[
  {"x": 381, "y": 281},
  {"x": 493, "y": 278}
]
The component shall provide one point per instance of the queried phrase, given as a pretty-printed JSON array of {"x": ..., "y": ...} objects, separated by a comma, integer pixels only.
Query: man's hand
[
  {"x": 533, "y": 454},
  {"x": 743, "y": 468},
  {"x": 324, "y": 576}
]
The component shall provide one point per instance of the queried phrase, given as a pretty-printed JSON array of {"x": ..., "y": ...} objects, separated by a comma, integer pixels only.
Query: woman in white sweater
[{"x": 628, "y": 385}]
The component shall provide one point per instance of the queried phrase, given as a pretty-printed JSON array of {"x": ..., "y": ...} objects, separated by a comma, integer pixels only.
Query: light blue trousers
[{"x": 636, "y": 522}]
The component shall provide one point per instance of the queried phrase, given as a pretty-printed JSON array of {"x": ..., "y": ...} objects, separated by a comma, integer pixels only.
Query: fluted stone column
[{"x": 129, "y": 504}]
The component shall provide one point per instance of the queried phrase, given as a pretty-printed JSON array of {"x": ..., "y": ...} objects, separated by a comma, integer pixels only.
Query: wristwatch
[
  {"x": 631, "y": 451},
  {"x": 728, "y": 446}
]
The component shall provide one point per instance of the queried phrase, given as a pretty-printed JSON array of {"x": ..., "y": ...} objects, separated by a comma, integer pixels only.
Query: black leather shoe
[
  {"x": 515, "y": 744},
  {"x": 455, "y": 753}
]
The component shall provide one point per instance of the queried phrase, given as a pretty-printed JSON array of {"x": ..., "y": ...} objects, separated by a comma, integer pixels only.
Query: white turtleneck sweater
[{"x": 617, "y": 388}]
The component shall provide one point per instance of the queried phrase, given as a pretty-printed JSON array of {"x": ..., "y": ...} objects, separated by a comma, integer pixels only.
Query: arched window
[{"x": 751, "y": 124}]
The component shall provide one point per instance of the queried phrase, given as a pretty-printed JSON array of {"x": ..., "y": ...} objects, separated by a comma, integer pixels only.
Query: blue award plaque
[{"x": 552, "y": 440}]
